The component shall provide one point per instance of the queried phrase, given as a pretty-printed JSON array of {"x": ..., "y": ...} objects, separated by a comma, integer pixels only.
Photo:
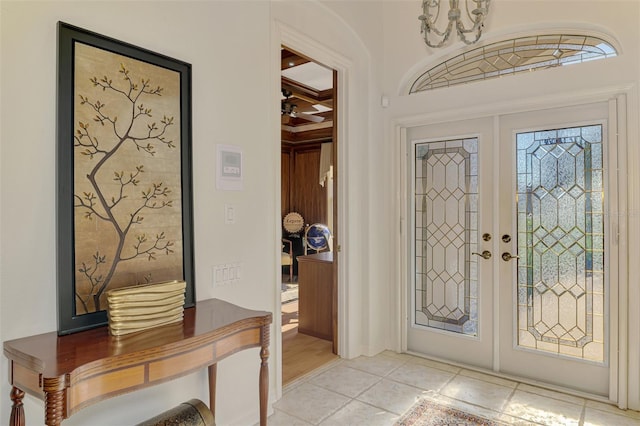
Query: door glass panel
[
  {"x": 560, "y": 214},
  {"x": 446, "y": 218}
]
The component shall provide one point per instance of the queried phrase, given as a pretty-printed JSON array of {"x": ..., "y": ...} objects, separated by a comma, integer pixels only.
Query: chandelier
[{"x": 431, "y": 13}]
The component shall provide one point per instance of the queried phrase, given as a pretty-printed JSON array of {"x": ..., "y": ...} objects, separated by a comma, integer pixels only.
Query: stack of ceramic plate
[{"x": 141, "y": 307}]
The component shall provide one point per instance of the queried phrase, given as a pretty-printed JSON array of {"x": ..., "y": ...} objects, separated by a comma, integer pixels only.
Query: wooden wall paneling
[
  {"x": 300, "y": 137},
  {"x": 285, "y": 164},
  {"x": 308, "y": 197}
]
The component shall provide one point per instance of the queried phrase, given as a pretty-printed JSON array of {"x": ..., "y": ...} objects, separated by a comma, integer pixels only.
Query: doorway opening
[{"x": 308, "y": 211}]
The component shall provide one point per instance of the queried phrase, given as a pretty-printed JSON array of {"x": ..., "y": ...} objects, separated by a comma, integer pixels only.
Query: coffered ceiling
[{"x": 306, "y": 101}]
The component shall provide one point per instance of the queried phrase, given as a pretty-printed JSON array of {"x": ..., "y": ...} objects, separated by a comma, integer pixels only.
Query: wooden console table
[{"x": 73, "y": 371}]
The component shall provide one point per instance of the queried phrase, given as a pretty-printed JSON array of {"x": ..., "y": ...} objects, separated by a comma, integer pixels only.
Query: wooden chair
[{"x": 287, "y": 257}]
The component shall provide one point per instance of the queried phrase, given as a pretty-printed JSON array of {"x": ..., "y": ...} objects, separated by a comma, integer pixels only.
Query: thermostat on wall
[{"x": 229, "y": 168}]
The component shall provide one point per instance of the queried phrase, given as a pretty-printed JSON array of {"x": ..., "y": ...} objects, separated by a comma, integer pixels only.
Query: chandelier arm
[
  {"x": 428, "y": 20},
  {"x": 427, "y": 5},
  {"x": 462, "y": 33},
  {"x": 477, "y": 16},
  {"x": 464, "y": 39},
  {"x": 445, "y": 35},
  {"x": 477, "y": 7},
  {"x": 436, "y": 45},
  {"x": 462, "y": 30}
]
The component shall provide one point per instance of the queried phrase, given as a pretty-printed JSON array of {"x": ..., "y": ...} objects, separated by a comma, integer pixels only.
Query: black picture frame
[{"x": 69, "y": 40}]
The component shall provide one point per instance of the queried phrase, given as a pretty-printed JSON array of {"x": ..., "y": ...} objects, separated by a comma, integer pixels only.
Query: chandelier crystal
[{"x": 431, "y": 12}]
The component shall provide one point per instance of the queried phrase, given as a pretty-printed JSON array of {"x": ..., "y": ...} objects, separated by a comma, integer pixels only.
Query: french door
[{"x": 510, "y": 244}]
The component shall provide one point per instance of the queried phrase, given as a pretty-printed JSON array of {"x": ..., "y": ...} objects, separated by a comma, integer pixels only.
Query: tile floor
[{"x": 377, "y": 390}]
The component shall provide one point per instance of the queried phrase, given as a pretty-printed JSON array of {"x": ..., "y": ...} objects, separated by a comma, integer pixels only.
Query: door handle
[
  {"x": 506, "y": 256},
  {"x": 485, "y": 254}
]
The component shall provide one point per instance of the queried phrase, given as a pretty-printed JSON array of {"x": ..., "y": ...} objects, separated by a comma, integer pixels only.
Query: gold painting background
[{"x": 95, "y": 236}]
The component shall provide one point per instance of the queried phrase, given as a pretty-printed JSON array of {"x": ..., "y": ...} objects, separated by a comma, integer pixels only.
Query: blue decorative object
[{"x": 317, "y": 236}]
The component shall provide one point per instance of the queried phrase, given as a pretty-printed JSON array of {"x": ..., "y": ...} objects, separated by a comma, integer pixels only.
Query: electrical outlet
[{"x": 226, "y": 274}]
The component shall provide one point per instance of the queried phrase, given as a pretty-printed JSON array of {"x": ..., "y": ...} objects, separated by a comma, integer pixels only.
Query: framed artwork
[{"x": 124, "y": 189}]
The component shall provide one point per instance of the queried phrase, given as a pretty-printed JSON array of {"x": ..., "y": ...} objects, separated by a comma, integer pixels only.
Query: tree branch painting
[{"x": 127, "y": 176}]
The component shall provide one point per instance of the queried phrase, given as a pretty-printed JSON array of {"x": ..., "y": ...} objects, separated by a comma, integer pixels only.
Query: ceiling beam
[
  {"x": 315, "y": 135},
  {"x": 307, "y": 93},
  {"x": 290, "y": 59}
]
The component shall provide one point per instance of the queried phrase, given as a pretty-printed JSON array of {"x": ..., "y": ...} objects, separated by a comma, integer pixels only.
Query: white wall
[{"x": 367, "y": 20}]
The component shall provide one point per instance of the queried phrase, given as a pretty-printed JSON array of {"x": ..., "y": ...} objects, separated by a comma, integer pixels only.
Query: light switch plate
[{"x": 229, "y": 214}]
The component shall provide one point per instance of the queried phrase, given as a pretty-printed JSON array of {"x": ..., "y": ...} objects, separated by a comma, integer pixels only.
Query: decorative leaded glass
[
  {"x": 560, "y": 198},
  {"x": 513, "y": 56},
  {"x": 446, "y": 216}
]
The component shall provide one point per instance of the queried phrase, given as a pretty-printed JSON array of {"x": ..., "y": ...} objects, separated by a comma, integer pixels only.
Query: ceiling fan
[{"x": 288, "y": 109}]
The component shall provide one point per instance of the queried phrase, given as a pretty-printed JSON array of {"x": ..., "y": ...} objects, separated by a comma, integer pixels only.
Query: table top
[
  {"x": 54, "y": 355},
  {"x": 324, "y": 256}
]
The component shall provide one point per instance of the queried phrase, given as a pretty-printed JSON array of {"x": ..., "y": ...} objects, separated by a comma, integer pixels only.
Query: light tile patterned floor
[{"x": 378, "y": 390}]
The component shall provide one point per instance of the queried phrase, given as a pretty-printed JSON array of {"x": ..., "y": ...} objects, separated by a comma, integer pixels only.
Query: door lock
[
  {"x": 485, "y": 254},
  {"x": 506, "y": 256}
]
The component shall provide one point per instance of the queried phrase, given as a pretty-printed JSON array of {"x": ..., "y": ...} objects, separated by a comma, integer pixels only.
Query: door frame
[
  {"x": 284, "y": 35},
  {"x": 617, "y": 97}
]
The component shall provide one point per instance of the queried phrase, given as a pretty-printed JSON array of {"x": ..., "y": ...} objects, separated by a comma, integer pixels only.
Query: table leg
[
  {"x": 54, "y": 407},
  {"x": 17, "y": 410},
  {"x": 213, "y": 371},
  {"x": 264, "y": 375}
]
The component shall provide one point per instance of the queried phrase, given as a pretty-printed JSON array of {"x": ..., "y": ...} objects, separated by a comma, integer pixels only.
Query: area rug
[{"x": 430, "y": 413}]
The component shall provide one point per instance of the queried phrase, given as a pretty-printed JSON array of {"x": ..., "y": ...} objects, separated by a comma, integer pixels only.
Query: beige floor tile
[
  {"x": 392, "y": 396},
  {"x": 489, "y": 378},
  {"x": 542, "y": 409},
  {"x": 421, "y": 376},
  {"x": 516, "y": 421},
  {"x": 378, "y": 365},
  {"x": 311, "y": 403},
  {"x": 293, "y": 384},
  {"x": 396, "y": 355},
  {"x": 609, "y": 408},
  {"x": 280, "y": 418},
  {"x": 346, "y": 381},
  {"x": 593, "y": 417},
  {"x": 436, "y": 364},
  {"x": 378, "y": 390},
  {"x": 358, "y": 413},
  {"x": 551, "y": 394},
  {"x": 477, "y": 392}
]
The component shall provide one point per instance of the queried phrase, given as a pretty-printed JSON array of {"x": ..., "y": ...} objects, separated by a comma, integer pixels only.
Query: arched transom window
[{"x": 514, "y": 56}]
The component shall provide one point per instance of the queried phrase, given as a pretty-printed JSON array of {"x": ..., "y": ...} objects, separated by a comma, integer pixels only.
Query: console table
[{"x": 73, "y": 371}]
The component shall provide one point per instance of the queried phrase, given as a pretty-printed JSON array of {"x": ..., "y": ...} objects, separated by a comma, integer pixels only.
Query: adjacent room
[{"x": 309, "y": 338}]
